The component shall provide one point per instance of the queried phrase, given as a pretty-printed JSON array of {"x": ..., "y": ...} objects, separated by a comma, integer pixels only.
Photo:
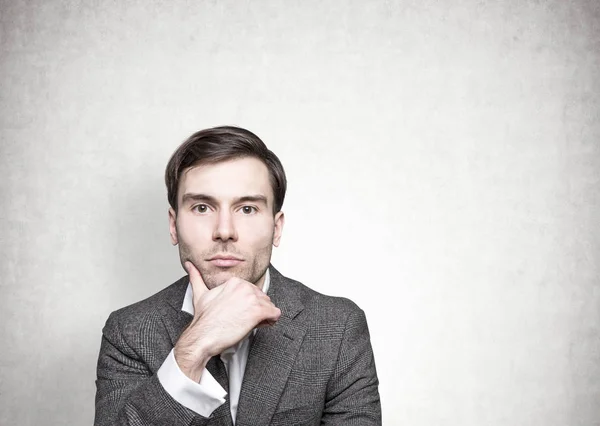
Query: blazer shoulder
[{"x": 324, "y": 307}]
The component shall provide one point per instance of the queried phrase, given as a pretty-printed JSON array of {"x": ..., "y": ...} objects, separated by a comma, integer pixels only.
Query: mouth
[{"x": 225, "y": 261}]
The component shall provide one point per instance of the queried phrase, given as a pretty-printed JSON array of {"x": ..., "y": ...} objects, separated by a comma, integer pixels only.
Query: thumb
[{"x": 198, "y": 286}]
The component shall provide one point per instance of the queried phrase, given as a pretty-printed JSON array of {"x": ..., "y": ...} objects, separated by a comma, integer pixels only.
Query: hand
[{"x": 223, "y": 316}]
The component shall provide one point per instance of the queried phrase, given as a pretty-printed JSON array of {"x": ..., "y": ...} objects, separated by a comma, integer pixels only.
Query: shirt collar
[{"x": 188, "y": 300}]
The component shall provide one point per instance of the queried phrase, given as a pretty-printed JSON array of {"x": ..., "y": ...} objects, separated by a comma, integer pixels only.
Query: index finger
[{"x": 198, "y": 286}]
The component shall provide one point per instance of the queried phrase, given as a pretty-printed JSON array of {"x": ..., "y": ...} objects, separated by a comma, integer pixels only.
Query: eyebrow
[{"x": 191, "y": 197}]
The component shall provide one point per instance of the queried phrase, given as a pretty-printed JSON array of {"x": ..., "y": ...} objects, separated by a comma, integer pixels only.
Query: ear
[
  {"x": 279, "y": 221},
  {"x": 173, "y": 226}
]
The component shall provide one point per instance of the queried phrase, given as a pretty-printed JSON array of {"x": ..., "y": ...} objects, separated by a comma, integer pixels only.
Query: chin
[{"x": 215, "y": 278}]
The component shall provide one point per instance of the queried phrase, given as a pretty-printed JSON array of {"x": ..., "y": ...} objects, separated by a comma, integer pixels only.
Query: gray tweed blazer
[{"x": 314, "y": 366}]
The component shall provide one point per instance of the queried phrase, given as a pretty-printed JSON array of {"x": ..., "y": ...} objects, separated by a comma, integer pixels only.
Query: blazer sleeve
[
  {"x": 127, "y": 392},
  {"x": 352, "y": 391}
]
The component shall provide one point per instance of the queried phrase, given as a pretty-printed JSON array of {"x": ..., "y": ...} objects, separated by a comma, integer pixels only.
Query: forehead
[{"x": 228, "y": 179}]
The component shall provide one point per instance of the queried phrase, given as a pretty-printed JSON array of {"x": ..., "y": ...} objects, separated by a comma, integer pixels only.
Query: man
[{"x": 234, "y": 342}]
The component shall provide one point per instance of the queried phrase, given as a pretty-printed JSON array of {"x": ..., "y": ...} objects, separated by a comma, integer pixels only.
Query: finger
[
  {"x": 270, "y": 318},
  {"x": 198, "y": 286},
  {"x": 276, "y": 313},
  {"x": 265, "y": 323},
  {"x": 270, "y": 315},
  {"x": 270, "y": 312}
]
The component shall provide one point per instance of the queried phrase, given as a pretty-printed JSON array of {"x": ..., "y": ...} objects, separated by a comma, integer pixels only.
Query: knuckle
[{"x": 255, "y": 300}]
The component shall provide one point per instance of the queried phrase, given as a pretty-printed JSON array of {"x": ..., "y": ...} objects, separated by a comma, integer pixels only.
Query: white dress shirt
[{"x": 206, "y": 396}]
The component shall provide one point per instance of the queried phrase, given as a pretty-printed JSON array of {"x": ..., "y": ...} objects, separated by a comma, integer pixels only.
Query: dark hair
[{"x": 219, "y": 144}]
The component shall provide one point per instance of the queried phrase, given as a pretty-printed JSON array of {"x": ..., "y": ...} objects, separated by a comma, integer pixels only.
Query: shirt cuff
[{"x": 203, "y": 397}]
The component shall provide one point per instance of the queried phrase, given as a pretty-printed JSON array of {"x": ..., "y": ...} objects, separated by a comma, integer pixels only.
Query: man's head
[{"x": 226, "y": 190}]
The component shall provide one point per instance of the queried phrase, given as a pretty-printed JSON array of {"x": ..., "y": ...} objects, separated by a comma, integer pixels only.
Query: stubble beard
[{"x": 251, "y": 270}]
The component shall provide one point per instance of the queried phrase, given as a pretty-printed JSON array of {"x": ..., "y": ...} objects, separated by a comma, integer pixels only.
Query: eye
[
  {"x": 200, "y": 208},
  {"x": 249, "y": 210}
]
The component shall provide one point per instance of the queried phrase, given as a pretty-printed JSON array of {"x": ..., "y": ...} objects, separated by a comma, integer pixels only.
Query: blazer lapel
[
  {"x": 271, "y": 357},
  {"x": 176, "y": 320}
]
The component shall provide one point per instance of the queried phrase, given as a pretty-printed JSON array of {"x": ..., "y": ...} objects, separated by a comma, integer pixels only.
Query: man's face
[{"x": 225, "y": 224}]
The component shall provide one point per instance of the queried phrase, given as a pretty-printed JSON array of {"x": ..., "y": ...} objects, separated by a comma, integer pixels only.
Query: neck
[{"x": 261, "y": 281}]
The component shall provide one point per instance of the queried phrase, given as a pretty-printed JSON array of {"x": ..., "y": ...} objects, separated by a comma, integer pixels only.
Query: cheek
[
  {"x": 257, "y": 236},
  {"x": 190, "y": 230},
  {"x": 265, "y": 243}
]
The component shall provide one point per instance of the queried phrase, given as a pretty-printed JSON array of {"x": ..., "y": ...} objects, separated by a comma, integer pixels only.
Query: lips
[{"x": 225, "y": 261}]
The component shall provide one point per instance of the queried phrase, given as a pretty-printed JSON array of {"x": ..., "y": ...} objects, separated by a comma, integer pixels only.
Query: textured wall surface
[{"x": 444, "y": 168}]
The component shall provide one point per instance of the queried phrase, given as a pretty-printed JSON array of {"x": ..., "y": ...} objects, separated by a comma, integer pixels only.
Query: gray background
[{"x": 443, "y": 160}]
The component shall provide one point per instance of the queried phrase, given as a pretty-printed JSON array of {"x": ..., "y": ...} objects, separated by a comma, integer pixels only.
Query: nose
[{"x": 224, "y": 228}]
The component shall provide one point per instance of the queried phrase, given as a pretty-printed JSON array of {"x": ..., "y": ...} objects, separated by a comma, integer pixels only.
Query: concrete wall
[{"x": 444, "y": 167}]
